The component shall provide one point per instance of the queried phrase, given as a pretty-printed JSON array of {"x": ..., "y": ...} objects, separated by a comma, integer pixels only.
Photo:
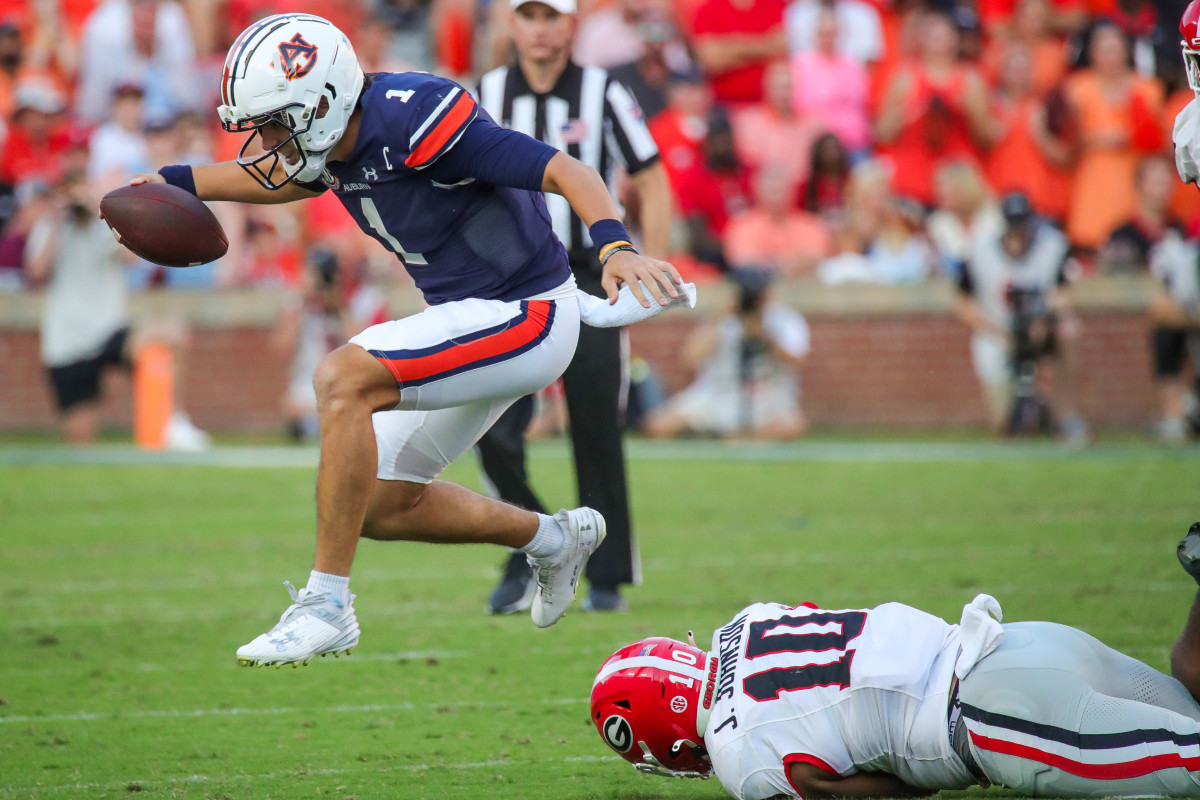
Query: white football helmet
[{"x": 278, "y": 71}]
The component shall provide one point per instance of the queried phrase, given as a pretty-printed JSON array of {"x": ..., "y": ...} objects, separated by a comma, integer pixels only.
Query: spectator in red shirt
[
  {"x": 36, "y": 139},
  {"x": 936, "y": 108},
  {"x": 735, "y": 40},
  {"x": 679, "y": 131},
  {"x": 712, "y": 191}
]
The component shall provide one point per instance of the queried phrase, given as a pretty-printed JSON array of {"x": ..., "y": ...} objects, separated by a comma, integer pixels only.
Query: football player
[
  {"x": 429, "y": 175},
  {"x": 1186, "y": 134},
  {"x": 892, "y": 702}
]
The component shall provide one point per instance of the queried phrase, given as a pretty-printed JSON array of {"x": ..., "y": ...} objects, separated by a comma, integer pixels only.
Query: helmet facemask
[
  {"x": 1191, "y": 62},
  {"x": 296, "y": 120},
  {"x": 652, "y": 766}
]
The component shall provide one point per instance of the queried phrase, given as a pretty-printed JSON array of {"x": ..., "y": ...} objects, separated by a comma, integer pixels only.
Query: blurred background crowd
[{"x": 1009, "y": 147}]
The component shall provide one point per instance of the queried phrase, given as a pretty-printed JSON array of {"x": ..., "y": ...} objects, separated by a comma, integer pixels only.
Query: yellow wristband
[{"x": 608, "y": 248}]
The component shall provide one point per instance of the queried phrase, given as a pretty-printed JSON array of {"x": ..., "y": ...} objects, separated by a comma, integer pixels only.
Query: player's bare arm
[
  {"x": 814, "y": 783},
  {"x": 587, "y": 194},
  {"x": 227, "y": 180}
]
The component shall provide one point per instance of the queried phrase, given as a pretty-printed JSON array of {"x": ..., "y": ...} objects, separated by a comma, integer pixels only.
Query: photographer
[
  {"x": 86, "y": 326},
  {"x": 747, "y": 361},
  {"x": 1013, "y": 297}
]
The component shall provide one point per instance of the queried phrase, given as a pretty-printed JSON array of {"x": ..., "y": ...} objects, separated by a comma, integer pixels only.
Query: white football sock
[
  {"x": 548, "y": 540},
  {"x": 335, "y": 587}
]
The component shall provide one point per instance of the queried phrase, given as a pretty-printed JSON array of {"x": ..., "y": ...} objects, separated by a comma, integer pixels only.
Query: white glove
[{"x": 1186, "y": 136}]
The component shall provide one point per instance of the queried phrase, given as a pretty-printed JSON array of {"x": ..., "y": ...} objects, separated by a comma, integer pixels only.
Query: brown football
[{"x": 164, "y": 224}]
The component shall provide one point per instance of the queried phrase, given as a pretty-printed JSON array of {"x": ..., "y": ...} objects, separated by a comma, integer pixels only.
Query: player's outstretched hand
[
  {"x": 137, "y": 180},
  {"x": 141, "y": 178},
  {"x": 628, "y": 267}
]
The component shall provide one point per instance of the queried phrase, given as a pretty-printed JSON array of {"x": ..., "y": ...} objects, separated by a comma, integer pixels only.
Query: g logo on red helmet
[{"x": 618, "y": 734}]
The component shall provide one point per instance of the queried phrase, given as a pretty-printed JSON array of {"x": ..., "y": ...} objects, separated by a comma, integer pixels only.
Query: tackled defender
[{"x": 893, "y": 702}]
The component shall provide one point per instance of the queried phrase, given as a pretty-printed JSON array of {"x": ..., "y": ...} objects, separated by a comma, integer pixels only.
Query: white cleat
[
  {"x": 313, "y": 625},
  {"x": 558, "y": 576}
]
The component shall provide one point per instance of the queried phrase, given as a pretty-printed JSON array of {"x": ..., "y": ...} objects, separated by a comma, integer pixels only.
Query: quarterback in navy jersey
[{"x": 429, "y": 175}]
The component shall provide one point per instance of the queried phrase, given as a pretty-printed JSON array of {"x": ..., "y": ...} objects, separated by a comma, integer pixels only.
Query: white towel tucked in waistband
[
  {"x": 596, "y": 311},
  {"x": 978, "y": 632}
]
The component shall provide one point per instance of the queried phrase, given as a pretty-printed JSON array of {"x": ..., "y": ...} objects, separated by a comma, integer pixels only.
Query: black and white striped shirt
[{"x": 588, "y": 115}]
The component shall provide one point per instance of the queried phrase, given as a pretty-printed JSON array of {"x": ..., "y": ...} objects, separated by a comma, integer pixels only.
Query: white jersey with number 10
[{"x": 847, "y": 690}]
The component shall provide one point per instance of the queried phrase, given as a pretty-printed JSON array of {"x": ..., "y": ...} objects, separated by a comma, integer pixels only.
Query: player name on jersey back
[{"x": 847, "y": 690}]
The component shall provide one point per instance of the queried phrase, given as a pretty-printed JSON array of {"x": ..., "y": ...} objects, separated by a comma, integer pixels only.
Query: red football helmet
[
  {"x": 1189, "y": 27},
  {"x": 646, "y": 704}
]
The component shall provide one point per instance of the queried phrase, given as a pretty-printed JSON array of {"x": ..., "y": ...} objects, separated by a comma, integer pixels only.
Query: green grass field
[{"x": 127, "y": 585}]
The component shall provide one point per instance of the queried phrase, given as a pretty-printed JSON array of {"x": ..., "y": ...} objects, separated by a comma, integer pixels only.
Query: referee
[{"x": 591, "y": 117}]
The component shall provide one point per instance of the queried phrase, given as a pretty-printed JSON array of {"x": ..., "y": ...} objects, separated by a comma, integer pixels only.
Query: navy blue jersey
[{"x": 424, "y": 179}]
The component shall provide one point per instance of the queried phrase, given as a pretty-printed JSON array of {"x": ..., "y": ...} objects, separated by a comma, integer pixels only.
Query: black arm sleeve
[{"x": 496, "y": 155}]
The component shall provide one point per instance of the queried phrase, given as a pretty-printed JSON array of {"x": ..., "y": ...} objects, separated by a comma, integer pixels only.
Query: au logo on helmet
[{"x": 297, "y": 57}]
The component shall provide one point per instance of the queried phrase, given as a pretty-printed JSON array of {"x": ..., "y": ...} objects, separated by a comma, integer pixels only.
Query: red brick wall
[
  {"x": 915, "y": 371},
  {"x": 870, "y": 370},
  {"x": 232, "y": 381}
]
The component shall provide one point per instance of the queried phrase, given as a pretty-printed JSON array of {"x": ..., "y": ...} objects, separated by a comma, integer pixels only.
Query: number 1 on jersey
[{"x": 376, "y": 222}]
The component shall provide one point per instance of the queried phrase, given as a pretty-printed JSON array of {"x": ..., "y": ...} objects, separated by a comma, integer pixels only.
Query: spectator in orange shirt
[
  {"x": 772, "y": 234},
  {"x": 734, "y": 42},
  {"x": 1030, "y": 28},
  {"x": 934, "y": 109},
  {"x": 771, "y": 132},
  {"x": 1026, "y": 156},
  {"x": 1117, "y": 114}
]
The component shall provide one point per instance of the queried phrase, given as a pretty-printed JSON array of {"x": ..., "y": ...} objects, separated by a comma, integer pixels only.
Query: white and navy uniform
[
  {"x": 1040, "y": 708},
  {"x": 458, "y": 199},
  {"x": 595, "y": 119}
]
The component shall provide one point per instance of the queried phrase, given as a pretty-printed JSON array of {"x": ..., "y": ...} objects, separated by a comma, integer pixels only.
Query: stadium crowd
[{"x": 886, "y": 141}]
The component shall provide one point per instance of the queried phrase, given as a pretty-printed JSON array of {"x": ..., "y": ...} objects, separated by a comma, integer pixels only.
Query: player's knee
[{"x": 337, "y": 381}]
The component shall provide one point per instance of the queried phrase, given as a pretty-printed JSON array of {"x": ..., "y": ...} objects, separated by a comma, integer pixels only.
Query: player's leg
[
  {"x": 596, "y": 387},
  {"x": 1185, "y": 655},
  {"x": 452, "y": 369},
  {"x": 1054, "y": 712},
  {"x": 351, "y": 385},
  {"x": 502, "y": 460}
]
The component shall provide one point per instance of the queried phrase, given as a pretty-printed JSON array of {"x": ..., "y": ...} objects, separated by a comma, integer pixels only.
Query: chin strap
[{"x": 652, "y": 766}]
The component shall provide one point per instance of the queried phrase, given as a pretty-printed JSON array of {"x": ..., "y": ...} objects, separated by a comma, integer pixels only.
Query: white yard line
[
  {"x": 86, "y": 716},
  {"x": 244, "y": 777},
  {"x": 259, "y": 456}
]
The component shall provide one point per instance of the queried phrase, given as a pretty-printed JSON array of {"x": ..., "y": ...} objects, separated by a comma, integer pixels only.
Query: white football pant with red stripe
[
  {"x": 459, "y": 365},
  {"x": 1053, "y": 712}
]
